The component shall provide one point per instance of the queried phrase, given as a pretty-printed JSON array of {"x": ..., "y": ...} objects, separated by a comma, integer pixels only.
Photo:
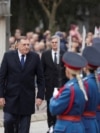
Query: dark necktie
[
  {"x": 22, "y": 60},
  {"x": 55, "y": 58}
]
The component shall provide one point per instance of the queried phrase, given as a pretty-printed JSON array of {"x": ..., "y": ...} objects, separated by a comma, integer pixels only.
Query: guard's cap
[
  {"x": 96, "y": 40},
  {"x": 97, "y": 46},
  {"x": 74, "y": 61},
  {"x": 92, "y": 56},
  {"x": 59, "y": 33}
]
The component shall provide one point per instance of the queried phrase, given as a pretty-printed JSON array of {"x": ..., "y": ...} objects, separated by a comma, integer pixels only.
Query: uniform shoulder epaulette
[
  {"x": 84, "y": 79},
  {"x": 98, "y": 71},
  {"x": 70, "y": 84}
]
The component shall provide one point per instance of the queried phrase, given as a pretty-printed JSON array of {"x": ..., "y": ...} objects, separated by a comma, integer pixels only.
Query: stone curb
[
  {"x": 38, "y": 117},
  {"x": 1, "y": 122}
]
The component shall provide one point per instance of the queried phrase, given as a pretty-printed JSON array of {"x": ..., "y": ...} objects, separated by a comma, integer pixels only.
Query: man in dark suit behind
[
  {"x": 17, "y": 87},
  {"x": 54, "y": 74}
]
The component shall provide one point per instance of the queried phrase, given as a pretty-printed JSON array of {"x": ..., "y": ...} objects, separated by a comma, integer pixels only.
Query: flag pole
[
  {"x": 69, "y": 43},
  {"x": 83, "y": 38}
]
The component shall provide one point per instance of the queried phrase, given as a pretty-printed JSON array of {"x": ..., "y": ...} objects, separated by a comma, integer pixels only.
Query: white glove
[
  {"x": 55, "y": 92},
  {"x": 81, "y": 75},
  {"x": 51, "y": 129}
]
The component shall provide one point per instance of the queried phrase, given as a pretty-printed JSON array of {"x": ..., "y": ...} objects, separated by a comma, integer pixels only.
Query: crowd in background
[
  {"x": 49, "y": 48},
  {"x": 41, "y": 41}
]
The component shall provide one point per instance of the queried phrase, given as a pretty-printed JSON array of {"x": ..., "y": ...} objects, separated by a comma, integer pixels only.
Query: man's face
[
  {"x": 24, "y": 46},
  {"x": 54, "y": 44},
  {"x": 17, "y": 34}
]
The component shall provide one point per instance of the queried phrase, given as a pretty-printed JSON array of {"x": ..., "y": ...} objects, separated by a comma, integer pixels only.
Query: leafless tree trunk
[
  {"x": 50, "y": 8},
  {"x": 21, "y": 19}
]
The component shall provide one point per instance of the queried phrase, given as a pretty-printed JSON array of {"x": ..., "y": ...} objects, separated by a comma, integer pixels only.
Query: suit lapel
[
  {"x": 28, "y": 60},
  {"x": 17, "y": 60},
  {"x": 51, "y": 59}
]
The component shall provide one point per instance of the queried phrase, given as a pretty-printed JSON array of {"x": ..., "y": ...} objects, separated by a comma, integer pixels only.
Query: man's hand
[
  {"x": 38, "y": 102},
  {"x": 2, "y": 102}
]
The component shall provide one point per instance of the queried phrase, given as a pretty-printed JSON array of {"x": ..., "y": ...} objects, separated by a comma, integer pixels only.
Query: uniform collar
[
  {"x": 91, "y": 75},
  {"x": 72, "y": 81}
]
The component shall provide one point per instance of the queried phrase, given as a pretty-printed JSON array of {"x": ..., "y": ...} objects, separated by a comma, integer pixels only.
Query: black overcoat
[
  {"x": 17, "y": 85},
  {"x": 54, "y": 74}
]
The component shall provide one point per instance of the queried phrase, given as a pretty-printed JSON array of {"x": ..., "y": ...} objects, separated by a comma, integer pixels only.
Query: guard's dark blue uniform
[
  {"x": 60, "y": 104},
  {"x": 98, "y": 107},
  {"x": 96, "y": 45},
  {"x": 69, "y": 103},
  {"x": 89, "y": 115}
]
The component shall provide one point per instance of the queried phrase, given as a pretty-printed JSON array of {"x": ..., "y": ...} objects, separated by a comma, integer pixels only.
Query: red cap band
[
  {"x": 72, "y": 67},
  {"x": 92, "y": 66}
]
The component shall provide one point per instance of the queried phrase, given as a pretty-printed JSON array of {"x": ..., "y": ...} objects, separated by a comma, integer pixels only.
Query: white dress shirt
[
  {"x": 53, "y": 54},
  {"x": 20, "y": 56}
]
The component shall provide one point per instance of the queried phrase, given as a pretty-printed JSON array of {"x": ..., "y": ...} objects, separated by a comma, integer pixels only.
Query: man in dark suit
[
  {"x": 17, "y": 87},
  {"x": 54, "y": 74}
]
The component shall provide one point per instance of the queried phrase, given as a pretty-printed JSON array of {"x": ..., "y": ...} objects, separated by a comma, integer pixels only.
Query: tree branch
[
  {"x": 59, "y": 2},
  {"x": 54, "y": 7},
  {"x": 56, "y": 3},
  {"x": 45, "y": 8}
]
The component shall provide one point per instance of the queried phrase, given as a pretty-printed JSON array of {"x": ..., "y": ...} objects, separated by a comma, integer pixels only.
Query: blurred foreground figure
[
  {"x": 97, "y": 46},
  {"x": 91, "y": 85}
]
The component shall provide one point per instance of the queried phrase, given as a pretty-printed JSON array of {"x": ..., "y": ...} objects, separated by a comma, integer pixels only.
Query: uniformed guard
[
  {"x": 97, "y": 46},
  {"x": 68, "y": 104},
  {"x": 91, "y": 85},
  {"x": 96, "y": 40},
  {"x": 98, "y": 107}
]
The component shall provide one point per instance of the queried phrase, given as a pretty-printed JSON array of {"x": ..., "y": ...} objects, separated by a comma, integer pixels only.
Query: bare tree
[
  {"x": 21, "y": 18},
  {"x": 50, "y": 8}
]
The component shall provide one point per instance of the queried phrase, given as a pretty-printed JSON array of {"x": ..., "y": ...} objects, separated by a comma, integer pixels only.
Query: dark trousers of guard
[
  {"x": 50, "y": 119},
  {"x": 16, "y": 124}
]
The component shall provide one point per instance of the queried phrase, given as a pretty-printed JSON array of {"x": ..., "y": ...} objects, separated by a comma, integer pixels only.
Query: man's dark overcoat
[{"x": 17, "y": 85}]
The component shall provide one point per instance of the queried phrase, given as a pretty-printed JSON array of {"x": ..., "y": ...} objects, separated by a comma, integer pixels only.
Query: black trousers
[
  {"x": 16, "y": 123},
  {"x": 51, "y": 120}
]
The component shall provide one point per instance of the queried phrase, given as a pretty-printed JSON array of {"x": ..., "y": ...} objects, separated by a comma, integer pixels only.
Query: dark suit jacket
[
  {"x": 54, "y": 75},
  {"x": 17, "y": 85}
]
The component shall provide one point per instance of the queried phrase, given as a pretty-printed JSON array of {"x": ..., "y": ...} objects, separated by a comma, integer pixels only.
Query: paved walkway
[
  {"x": 38, "y": 116},
  {"x": 35, "y": 127}
]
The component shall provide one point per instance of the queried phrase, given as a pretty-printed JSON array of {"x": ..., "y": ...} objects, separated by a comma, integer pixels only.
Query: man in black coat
[
  {"x": 54, "y": 74},
  {"x": 17, "y": 87}
]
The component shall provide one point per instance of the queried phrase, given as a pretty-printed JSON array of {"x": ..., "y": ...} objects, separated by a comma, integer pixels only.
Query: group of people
[
  {"x": 74, "y": 107},
  {"x": 69, "y": 81},
  {"x": 76, "y": 103}
]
